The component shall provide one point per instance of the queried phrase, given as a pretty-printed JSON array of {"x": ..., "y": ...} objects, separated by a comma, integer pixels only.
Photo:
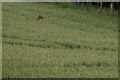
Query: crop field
[{"x": 67, "y": 43}]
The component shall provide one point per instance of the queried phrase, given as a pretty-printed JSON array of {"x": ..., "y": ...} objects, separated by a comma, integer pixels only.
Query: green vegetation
[
  {"x": 66, "y": 43},
  {"x": 90, "y": 8},
  {"x": 0, "y": 56}
]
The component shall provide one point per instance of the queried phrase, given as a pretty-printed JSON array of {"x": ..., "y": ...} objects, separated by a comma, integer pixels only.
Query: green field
[{"x": 67, "y": 43}]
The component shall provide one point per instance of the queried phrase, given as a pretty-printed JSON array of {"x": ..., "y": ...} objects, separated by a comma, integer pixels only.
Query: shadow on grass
[{"x": 51, "y": 44}]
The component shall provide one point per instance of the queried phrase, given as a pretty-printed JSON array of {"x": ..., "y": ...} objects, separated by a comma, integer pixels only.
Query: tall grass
[
  {"x": 67, "y": 43},
  {"x": 89, "y": 8}
]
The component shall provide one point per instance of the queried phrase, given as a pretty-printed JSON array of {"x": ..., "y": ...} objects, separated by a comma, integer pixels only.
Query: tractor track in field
[{"x": 49, "y": 44}]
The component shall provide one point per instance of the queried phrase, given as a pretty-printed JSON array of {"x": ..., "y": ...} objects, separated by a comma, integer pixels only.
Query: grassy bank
[{"x": 66, "y": 43}]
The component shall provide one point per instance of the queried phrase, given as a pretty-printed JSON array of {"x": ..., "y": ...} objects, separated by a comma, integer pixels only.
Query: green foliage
[
  {"x": 66, "y": 43},
  {"x": 67, "y": 5},
  {"x": 89, "y": 8}
]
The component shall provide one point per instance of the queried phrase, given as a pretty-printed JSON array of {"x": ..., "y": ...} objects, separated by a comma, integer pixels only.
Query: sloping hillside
[{"x": 66, "y": 43}]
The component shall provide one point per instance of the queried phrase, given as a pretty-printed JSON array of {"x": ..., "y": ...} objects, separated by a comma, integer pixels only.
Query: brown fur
[{"x": 39, "y": 17}]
